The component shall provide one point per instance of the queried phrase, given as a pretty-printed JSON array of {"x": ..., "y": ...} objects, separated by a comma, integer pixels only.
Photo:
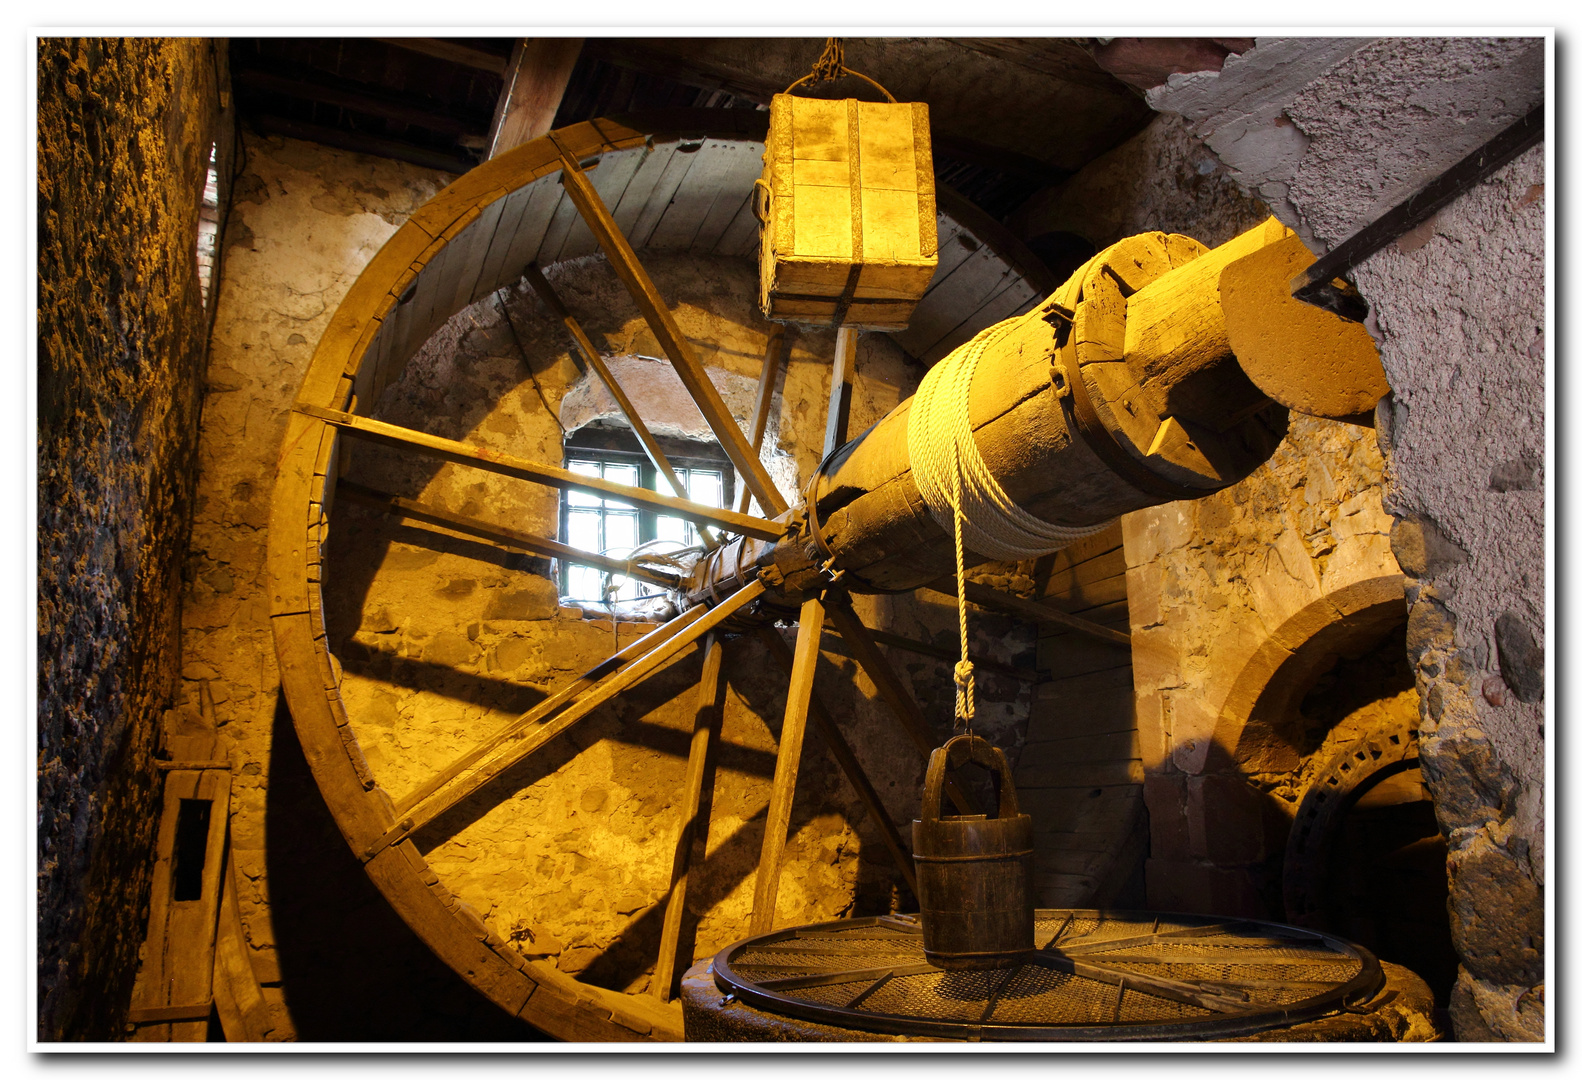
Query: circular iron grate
[{"x": 1094, "y": 975}]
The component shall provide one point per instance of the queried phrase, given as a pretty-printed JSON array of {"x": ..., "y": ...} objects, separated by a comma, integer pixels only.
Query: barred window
[{"x": 615, "y": 528}]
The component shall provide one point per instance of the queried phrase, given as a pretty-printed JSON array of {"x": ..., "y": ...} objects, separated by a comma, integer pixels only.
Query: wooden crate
[{"x": 849, "y": 235}]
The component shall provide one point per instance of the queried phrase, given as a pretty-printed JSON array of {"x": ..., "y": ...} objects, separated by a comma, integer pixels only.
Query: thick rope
[{"x": 963, "y": 495}]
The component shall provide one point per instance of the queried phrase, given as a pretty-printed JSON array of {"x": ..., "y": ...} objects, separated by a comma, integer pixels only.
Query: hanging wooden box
[{"x": 849, "y": 235}]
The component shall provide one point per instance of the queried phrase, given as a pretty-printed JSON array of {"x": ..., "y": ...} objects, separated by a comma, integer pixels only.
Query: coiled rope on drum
[{"x": 962, "y": 494}]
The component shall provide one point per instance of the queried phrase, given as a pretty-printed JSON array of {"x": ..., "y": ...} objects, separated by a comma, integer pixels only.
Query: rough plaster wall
[
  {"x": 1458, "y": 308},
  {"x": 334, "y": 962},
  {"x": 445, "y": 641},
  {"x": 1163, "y": 178},
  {"x": 124, "y": 129}
]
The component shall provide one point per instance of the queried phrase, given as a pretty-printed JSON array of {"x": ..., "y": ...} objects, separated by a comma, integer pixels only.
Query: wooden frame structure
[{"x": 478, "y": 234}]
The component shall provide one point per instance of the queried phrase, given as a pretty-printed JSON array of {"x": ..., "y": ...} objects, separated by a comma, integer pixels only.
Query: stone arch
[{"x": 1279, "y": 672}]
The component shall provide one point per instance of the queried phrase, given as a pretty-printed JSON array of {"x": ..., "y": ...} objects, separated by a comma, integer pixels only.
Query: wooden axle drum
[{"x": 974, "y": 873}]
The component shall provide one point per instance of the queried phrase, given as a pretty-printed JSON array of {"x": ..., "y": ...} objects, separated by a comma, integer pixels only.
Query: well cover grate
[{"x": 1094, "y": 975}]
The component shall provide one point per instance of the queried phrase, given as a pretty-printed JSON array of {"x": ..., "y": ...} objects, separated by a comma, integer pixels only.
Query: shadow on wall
[{"x": 350, "y": 969}]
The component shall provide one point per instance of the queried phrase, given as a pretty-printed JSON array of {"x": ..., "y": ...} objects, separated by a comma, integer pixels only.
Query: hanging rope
[{"x": 963, "y": 495}]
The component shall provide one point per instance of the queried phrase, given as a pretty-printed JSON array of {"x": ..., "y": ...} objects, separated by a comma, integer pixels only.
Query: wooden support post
[
  {"x": 520, "y": 468},
  {"x": 535, "y": 81},
  {"x": 550, "y": 727},
  {"x": 773, "y": 348},
  {"x": 546, "y": 292},
  {"x": 413, "y": 510},
  {"x": 624, "y": 262},
  {"x": 696, "y": 801},
  {"x": 767, "y": 887},
  {"x": 878, "y": 668},
  {"x": 824, "y": 724},
  {"x": 838, "y": 419}
]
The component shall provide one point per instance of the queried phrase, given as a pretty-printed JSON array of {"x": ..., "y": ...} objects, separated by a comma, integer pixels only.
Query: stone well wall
[{"x": 124, "y": 131}]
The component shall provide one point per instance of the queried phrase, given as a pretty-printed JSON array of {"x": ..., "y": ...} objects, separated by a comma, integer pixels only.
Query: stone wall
[
  {"x": 124, "y": 131},
  {"x": 1458, "y": 308}
]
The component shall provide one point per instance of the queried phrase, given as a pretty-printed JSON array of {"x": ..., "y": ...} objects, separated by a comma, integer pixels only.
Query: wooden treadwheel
[{"x": 423, "y": 274}]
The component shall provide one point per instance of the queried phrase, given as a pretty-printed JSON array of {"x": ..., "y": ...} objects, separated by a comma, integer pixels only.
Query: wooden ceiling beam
[
  {"x": 307, "y": 85},
  {"x": 359, "y": 143},
  {"x": 455, "y": 52},
  {"x": 535, "y": 81}
]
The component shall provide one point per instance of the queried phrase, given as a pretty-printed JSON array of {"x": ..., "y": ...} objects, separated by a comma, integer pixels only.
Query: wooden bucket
[{"x": 974, "y": 873}]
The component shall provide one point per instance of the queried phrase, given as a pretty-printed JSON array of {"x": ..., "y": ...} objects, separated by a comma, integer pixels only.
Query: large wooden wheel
[{"x": 455, "y": 250}]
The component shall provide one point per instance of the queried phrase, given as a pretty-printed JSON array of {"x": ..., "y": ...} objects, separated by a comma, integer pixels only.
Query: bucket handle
[{"x": 957, "y": 751}]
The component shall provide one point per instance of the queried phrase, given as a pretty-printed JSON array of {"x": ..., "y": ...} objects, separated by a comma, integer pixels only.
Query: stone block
[
  {"x": 1231, "y": 823},
  {"x": 535, "y": 598},
  {"x": 1283, "y": 580},
  {"x": 1155, "y": 658},
  {"x": 1159, "y": 529},
  {"x": 1152, "y": 712},
  {"x": 1497, "y": 914},
  {"x": 1143, "y": 584},
  {"x": 1165, "y": 795}
]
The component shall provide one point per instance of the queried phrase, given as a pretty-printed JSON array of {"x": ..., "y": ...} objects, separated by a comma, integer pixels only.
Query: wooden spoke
[
  {"x": 824, "y": 724},
  {"x": 637, "y": 649},
  {"x": 506, "y": 465},
  {"x": 1205, "y": 997},
  {"x": 546, "y": 292},
  {"x": 872, "y": 661},
  {"x": 696, "y": 800},
  {"x": 1082, "y": 946},
  {"x": 984, "y": 596},
  {"x": 766, "y": 392},
  {"x": 550, "y": 726},
  {"x": 396, "y": 506},
  {"x": 837, "y": 978},
  {"x": 838, "y": 418},
  {"x": 767, "y": 887},
  {"x": 922, "y": 648},
  {"x": 624, "y": 262}
]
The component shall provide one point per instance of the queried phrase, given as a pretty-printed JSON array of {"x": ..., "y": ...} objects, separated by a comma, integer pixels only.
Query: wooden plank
[
  {"x": 677, "y": 166},
  {"x": 1093, "y": 714},
  {"x": 530, "y": 231},
  {"x": 238, "y": 999},
  {"x": 696, "y": 799},
  {"x": 944, "y": 307},
  {"x": 1088, "y": 774},
  {"x": 610, "y": 180},
  {"x": 641, "y": 187},
  {"x": 1059, "y": 583},
  {"x": 837, "y": 415},
  {"x": 676, "y": 347},
  {"x": 493, "y": 273},
  {"x": 774, "y": 347},
  {"x": 978, "y": 315},
  {"x": 451, "y": 51},
  {"x": 743, "y": 164},
  {"x": 955, "y": 246},
  {"x": 436, "y": 284},
  {"x": 413, "y": 510},
  {"x": 535, "y": 81},
  {"x": 741, "y": 235},
  {"x": 1016, "y": 298},
  {"x": 692, "y": 200},
  {"x": 1077, "y": 654},
  {"x": 877, "y": 667},
  {"x": 506, "y": 465},
  {"x": 1116, "y": 682},
  {"x": 473, "y": 246},
  {"x": 788, "y": 759},
  {"x": 824, "y": 724},
  {"x": 1049, "y": 759}
]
